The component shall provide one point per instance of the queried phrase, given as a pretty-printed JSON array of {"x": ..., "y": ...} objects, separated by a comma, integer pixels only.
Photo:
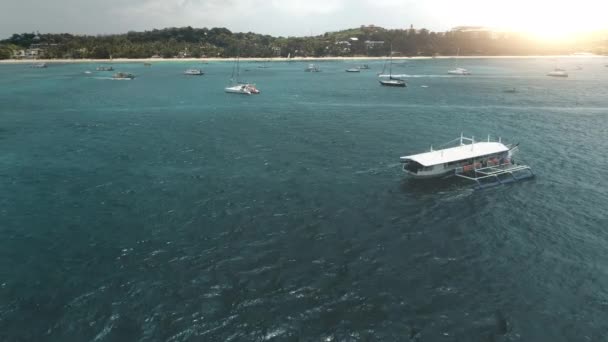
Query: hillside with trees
[{"x": 221, "y": 42}]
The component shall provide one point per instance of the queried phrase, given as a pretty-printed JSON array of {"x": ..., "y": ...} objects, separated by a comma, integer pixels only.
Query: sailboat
[
  {"x": 392, "y": 81},
  {"x": 237, "y": 86},
  {"x": 312, "y": 68},
  {"x": 458, "y": 71}
]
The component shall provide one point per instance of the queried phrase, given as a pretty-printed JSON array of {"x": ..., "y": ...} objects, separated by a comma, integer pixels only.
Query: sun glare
[{"x": 550, "y": 20}]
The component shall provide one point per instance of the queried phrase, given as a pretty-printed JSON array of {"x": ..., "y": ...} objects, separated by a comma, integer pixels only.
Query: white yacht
[
  {"x": 459, "y": 71},
  {"x": 312, "y": 68},
  {"x": 238, "y": 86},
  {"x": 558, "y": 73},
  {"x": 123, "y": 76},
  {"x": 194, "y": 72},
  {"x": 478, "y": 161},
  {"x": 244, "y": 89}
]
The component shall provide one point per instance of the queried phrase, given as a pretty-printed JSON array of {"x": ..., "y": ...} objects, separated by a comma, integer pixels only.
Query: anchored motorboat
[
  {"x": 353, "y": 70},
  {"x": 194, "y": 72},
  {"x": 558, "y": 73},
  {"x": 39, "y": 65},
  {"x": 484, "y": 162},
  {"x": 459, "y": 71},
  {"x": 105, "y": 68}
]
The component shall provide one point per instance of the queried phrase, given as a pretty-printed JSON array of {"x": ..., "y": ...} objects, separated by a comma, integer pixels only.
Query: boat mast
[
  {"x": 238, "y": 70},
  {"x": 390, "y": 67},
  {"x": 234, "y": 69}
]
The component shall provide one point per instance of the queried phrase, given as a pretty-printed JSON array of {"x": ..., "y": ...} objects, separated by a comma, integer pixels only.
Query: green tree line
[{"x": 221, "y": 42}]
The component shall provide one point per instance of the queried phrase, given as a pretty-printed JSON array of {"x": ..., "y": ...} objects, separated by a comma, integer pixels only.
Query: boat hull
[
  {"x": 430, "y": 175},
  {"x": 393, "y": 83},
  {"x": 244, "y": 89},
  {"x": 237, "y": 90}
]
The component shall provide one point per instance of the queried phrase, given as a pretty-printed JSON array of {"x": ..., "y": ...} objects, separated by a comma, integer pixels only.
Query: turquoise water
[{"x": 163, "y": 209}]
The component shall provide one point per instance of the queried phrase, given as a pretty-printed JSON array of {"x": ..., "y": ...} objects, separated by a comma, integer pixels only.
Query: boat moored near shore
[
  {"x": 558, "y": 73},
  {"x": 312, "y": 68},
  {"x": 459, "y": 71},
  {"x": 194, "y": 72}
]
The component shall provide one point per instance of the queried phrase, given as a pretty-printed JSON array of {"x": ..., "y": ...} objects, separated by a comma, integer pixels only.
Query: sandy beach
[{"x": 274, "y": 59}]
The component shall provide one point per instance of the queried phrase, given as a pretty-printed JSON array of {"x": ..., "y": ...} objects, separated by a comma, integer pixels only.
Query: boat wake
[{"x": 418, "y": 76}]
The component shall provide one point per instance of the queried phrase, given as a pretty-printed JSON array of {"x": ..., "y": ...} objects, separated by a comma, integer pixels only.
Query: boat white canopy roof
[{"x": 462, "y": 152}]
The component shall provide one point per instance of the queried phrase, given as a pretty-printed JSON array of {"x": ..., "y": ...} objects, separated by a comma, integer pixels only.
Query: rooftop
[{"x": 461, "y": 152}]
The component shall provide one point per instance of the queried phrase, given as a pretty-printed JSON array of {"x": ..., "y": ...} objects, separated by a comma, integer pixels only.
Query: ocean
[{"x": 163, "y": 209}]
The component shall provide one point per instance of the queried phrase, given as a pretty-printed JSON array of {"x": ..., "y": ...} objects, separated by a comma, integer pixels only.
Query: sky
[{"x": 545, "y": 18}]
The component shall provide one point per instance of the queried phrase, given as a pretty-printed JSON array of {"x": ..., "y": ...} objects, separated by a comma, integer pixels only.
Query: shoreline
[{"x": 274, "y": 59}]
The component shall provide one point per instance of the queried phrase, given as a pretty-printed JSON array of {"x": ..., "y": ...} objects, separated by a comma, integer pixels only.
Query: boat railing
[{"x": 495, "y": 175}]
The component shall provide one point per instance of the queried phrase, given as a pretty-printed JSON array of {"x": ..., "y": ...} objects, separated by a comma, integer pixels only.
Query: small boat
[
  {"x": 312, "y": 68},
  {"x": 353, "y": 70},
  {"x": 511, "y": 90},
  {"x": 105, "y": 68},
  {"x": 459, "y": 71},
  {"x": 39, "y": 65},
  {"x": 194, "y": 72},
  {"x": 88, "y": 72},
  {"x": 392, "y": 81},
  {"x": 364, "y": 67},
  {"x": 244, "y": 89},
  {"x": 239, "y": 87},
  {"x": 558, "y": 73},
  {"x": 479, "y": 161},
  {"x": 123, "y": 76}
]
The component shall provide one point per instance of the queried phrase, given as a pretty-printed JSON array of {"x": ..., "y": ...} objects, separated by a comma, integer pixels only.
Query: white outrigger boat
[{"x": 486, "y": 163}]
